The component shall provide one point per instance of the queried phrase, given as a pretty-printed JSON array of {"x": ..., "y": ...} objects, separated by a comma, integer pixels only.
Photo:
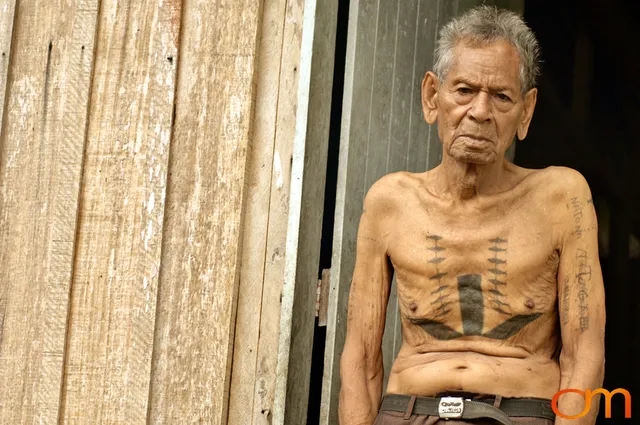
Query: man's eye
[
  {"x": 464, "y": 90},
  {"x": 503, "y": 97}
]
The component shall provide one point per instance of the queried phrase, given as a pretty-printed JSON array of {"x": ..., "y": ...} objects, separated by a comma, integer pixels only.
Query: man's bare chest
[{"x": 488, "y": 276}]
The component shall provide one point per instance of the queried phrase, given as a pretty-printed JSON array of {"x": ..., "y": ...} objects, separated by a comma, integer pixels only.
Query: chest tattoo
[
  {"x": 442, "y": 291},
  {"x": 472, "y": 307},
  {"x": 496, "y": 297}
]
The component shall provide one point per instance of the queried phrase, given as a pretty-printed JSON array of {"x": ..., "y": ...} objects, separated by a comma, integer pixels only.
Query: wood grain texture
[
  {"x": 280, "y": 187},
  {"x": 306, "y": 207},
  {"x": 203, "y": 220},
  {"x": 42, "y": 142},
  {"x": 110, "y": 339},
  {"x": 425, "y": 149},
  {"x": 7, "y": 13},
  {"x": 381, "y": 92},
  {"x": 247, "y": 384}
]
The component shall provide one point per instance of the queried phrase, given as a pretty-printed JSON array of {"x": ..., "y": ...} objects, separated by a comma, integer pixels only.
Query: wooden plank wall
[
  {"x": 114, "y": 287},
  {"x": 133, "y": 135},
  {"x": 42, "y": 142},
  {"x": 389, "y": 49},
  {"x": 306, "y": 208},
  {"x": 268, "y": 187}
]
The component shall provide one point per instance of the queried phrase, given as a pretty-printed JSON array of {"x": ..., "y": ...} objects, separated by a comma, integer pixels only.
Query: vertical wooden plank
[
  {"x": 424, "y": 145},
  {"x": 203, "y": 220},
  {"x": 7, "y": 10},
  {"x": 350, "y": 190},
  {"x": 256, "y": 296},
  {"x": 405, "y": 87},
  {"x": 306, "y": 207},
  {"x": 285, "y": 124},
  {"x": 381, "y": 92},
  {"x": 40, "y": 170},
  {"x": 113, "y": 303}
]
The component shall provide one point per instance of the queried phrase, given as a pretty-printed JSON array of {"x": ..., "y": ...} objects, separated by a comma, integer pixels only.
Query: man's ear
[
  {"x": 529, "y": 105},
  {"x": 430, "y": 87}
]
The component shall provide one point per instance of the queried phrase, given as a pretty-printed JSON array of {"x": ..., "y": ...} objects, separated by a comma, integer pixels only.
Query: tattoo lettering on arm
[
  {"x": 496, "y": 297},
  {"x": 583, "y": 277},
  {"x": 565, "y": 301},
  {"x": 441, "y": 303},
  {"x": 577, "y": 217}
]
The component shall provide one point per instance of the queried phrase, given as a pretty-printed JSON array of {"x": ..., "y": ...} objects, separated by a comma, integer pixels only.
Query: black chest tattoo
[{"x": 472, "y": 298}]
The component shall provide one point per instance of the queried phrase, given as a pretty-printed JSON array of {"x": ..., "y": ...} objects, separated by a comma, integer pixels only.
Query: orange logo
[{"x": 588, "y": 395}]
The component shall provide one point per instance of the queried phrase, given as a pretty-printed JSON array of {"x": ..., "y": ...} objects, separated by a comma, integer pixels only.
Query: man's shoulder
[
  {"x": 560, "y": 183},
  {"x": 391, "y": 190}
]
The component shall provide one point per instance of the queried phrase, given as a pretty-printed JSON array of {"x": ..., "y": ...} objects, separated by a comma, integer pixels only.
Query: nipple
[
  {"x": 413, "y": 306},
  {"x": 530, "y": 304}
]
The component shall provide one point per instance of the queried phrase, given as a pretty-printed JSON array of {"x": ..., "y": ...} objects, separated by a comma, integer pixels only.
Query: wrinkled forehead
[{"x": 495, "y": 63}]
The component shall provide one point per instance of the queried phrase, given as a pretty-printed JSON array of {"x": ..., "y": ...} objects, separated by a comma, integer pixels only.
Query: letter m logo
[{"x": 607, "y": 400}]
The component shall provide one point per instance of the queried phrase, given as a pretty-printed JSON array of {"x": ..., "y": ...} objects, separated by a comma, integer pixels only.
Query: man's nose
[{"x": 481, "y": 107}]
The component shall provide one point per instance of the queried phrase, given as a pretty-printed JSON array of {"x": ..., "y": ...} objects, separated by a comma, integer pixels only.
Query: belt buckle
[{"x": 450, "y": 407}]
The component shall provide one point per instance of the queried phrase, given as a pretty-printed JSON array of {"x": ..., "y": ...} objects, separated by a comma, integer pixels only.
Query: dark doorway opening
[
  {"x": 588, "y": 118},
  {"x": 317, "y": 361}
]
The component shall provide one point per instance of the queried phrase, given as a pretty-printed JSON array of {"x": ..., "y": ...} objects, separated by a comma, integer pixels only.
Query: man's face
[{"x": 479, "y": 105}]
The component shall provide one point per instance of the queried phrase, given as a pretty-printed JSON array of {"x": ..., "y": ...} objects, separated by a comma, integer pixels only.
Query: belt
[{"x": 464, "y": 408}]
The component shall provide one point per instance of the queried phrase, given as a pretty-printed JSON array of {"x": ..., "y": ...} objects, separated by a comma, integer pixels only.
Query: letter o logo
[{"x": 554, "y": 404}]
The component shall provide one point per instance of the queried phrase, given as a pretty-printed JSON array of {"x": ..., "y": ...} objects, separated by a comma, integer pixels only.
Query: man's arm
[
  {"x": 361, "y": 369},
  {"x": 581, "y": 303}
]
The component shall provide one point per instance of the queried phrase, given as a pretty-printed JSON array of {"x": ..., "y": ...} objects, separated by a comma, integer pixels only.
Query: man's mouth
[
  {"x": 478, "y": 138},
  {"x": 473, "y": 141}
]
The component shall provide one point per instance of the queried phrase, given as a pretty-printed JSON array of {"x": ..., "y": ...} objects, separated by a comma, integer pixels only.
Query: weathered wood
[
  {"x": 381, "y": 92},
  {"x": 425, "y": 150},
  {"x": 285, "y": 121},
  {"x": 7, "y": 13},
  {"x": 350, "y": 190},
  {"x": 110, "y": 339},
  {"x": 323, "y": 301},
  {"x": 203, "y": 216},
  {"x": 261, "y": 183},
  {"x": 42, "y": 141},
  {"x": 306, "y": 206}
]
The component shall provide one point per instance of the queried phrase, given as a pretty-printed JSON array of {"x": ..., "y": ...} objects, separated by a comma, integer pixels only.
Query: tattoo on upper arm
[
  {"x": 577, "y": 217},
  {"x": 369, "y": 239},
  {"x": 442, "y": 290},
  {"x": 565, "y": 301},
  {"x": 578, "y": 229},
  {"x": 496, "y": 297},
  {"x": 583, "y": 277}
]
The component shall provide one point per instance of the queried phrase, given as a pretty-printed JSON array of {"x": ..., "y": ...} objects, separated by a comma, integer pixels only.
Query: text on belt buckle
[{"x": 450, "y": 407}]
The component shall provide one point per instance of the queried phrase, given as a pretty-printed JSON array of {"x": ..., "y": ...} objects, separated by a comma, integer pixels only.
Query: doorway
[{"x": 588, "y": 118}]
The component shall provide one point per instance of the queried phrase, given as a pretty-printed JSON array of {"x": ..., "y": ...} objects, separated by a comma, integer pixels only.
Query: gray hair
[{"x": 484, "y": 25}]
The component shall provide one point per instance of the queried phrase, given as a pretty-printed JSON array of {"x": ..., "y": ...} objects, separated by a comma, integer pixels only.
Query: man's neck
[{"x": 461, "y": 181}]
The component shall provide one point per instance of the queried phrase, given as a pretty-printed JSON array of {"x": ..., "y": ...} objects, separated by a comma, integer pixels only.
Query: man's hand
[
  {"x": 581, "y": 302},
  {"x": 361, "y": 369}
]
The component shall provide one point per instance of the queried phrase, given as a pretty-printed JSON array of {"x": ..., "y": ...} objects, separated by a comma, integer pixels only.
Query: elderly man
[{"x": 497, "y": 269}]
